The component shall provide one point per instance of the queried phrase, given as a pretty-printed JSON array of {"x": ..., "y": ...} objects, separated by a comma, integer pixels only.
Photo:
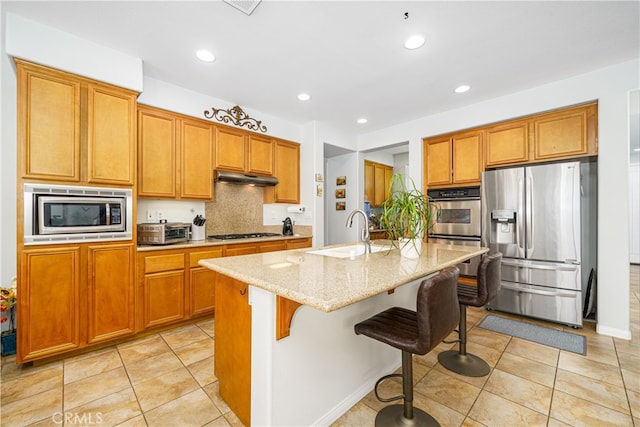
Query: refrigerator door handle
[
  {"x": 520, "y": 236},
  {"x": 529, "y": 202},
  {"x": 539, "y": 292},
  {"x": 570, "y": 267}
]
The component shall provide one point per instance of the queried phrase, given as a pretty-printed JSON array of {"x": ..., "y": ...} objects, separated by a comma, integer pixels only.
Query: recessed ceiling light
[
  {"x": 205, "y": 55},
  {"x": 362, "y": 121},
  {"x": 462, "y": 89},
  {"x": 304, "y": 97},
  {"x": 414, "y": 42}
]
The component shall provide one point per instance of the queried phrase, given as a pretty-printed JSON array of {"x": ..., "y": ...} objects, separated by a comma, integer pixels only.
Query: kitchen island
[{"x": 318, "y": 368}]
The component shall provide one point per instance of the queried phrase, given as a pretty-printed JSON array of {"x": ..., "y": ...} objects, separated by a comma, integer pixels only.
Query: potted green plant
[{"x": 407, "y": 215}]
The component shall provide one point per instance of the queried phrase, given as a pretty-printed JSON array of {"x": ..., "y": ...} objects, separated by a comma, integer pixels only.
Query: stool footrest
[{"x": 387, "y": 399}]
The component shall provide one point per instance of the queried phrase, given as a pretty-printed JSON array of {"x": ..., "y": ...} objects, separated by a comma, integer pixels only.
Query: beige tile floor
[{"x": 167, "y": 380}]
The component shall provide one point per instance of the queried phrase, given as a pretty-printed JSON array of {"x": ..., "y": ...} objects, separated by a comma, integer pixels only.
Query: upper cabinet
[
  {"x": 377, "y": 178},
  {"x": 286, "y": 167},
  {"x": 240, "y": 151},
  {"x": 74, "y": 129},
  {"x": 566, "y": 133},
  {"x": 459, "y": 159},
  {"x": 453, "y": 159},
  {"x": 175, "y": 156},
  {"x": 507, "y": 143}
]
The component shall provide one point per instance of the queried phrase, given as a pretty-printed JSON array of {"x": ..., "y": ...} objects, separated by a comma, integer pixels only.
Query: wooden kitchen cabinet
[
  {"x": 74, "y": 129},
  {"x": 163, "y": 289},
  {"x": 49, "y": 309},
  {"x": 233, "y": 345},
  {"x": 260, "y": 155},
  {"x": 156, "y": 153},
  {"x": 231, "y": 149},
  {"x": 377, "y": 178},
  {"x": 111, "y": 292},
  {"x": 507, "y": 143},
  {"x": 196, "y": 160},
  {"x": 570, "y": 132},
  {"x": 202, "y": 282},
  {"x": 298, "y": 243},
  {"x": 286, "y": 168},
  {"x": 175, "y": 156},
  {"x": 453, "y": 159}
]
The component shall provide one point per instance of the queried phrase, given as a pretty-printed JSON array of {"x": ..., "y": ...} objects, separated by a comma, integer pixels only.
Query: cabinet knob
[{"x": 244, "y": 291}]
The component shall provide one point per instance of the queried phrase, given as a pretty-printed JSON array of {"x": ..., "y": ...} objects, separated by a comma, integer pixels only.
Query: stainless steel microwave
[{"x": 59, "y": 214}]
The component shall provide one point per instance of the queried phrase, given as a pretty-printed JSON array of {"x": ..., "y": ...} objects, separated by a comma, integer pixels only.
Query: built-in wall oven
[
  {"x": 458, "y": 221},
  {"x": 63, "y": 214}
]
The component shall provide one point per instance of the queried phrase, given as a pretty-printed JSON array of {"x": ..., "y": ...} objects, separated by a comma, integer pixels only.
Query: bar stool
[
  {"x": 460, "y": 361},
  {"x": 414, "y": 332}
]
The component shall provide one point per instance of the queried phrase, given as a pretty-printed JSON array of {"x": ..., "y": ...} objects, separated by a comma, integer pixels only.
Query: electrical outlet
[
  {"x": 159, "y": 215},
  {"x": 150, "y": 216}
]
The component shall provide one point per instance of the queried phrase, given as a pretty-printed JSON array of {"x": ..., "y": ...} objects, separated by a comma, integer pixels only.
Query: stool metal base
[
  {"x": 464, "y": 364},
  {"x": 393, "y": 416}
]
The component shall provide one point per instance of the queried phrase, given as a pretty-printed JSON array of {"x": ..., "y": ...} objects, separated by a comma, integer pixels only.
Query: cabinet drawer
[
  {"x": 194, "y": 257},
  {"x": 272, "y": 246},
  {"x": 154, "y": 264},
  {"x": 299, "y": 243}
]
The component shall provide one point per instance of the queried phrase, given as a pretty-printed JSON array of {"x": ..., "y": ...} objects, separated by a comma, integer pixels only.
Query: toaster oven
[{"x": 163, "y": 233}]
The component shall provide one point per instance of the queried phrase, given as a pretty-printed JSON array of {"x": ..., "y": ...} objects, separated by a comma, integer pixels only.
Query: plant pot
[
  {"x": 8, "y": 343},
  {"x": 410, "y": 248}
]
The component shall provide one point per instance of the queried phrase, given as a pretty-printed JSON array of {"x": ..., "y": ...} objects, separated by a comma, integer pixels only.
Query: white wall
[
  {"x": 610, "y": 86},
  {"x": 335, "y": 221}
]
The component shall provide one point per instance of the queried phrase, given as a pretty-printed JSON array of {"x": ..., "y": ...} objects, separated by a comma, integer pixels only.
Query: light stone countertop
[{"x": 328, "y": 283}]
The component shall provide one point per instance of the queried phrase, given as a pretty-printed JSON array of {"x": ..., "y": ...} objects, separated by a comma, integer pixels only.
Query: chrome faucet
[{"x": 364, "y": 234}]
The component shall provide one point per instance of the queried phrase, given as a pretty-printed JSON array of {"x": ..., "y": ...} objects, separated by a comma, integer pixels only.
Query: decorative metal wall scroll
[{"x": 236, "y": 116}]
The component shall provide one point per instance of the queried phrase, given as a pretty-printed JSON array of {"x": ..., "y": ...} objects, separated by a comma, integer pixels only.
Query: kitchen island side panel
[{"x": 323, "y": 368}]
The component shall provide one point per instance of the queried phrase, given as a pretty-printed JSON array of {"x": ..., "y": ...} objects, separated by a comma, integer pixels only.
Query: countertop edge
[{"x": 204, "y": 243}]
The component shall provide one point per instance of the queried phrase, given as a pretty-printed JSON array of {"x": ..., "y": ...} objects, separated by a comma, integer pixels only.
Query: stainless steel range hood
[{"x": 246, "y": 178}]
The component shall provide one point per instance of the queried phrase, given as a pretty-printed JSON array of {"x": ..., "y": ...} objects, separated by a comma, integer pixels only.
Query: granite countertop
[
  {"x": 329, "y": 283},
  {"x": 214, "y": 242}
]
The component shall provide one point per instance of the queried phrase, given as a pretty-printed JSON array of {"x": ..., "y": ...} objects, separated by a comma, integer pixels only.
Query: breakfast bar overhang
[{"x": 311, "y": 371}]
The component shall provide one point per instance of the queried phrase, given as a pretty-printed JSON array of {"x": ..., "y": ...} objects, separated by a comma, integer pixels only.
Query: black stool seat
[
  {"x": 414, "y": 332},
  {"x": 489, "y": 278}
]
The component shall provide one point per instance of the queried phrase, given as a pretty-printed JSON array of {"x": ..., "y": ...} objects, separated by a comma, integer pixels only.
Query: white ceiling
[{"x": 349, "y": 55}]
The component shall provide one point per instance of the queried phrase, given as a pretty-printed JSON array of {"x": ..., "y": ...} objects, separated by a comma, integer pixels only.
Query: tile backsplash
[{"x": 235, "y": 209}]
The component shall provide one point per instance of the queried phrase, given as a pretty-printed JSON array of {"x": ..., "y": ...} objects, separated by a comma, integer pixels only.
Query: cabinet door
[
  {"x": 48, "y": 124},
  {"x": 369, "y": 182},
  {"x": 156, "y": 154},
  {"x": 561, "y": 134},
  {"x": 279, "y": 245},
  {"x": 438, "y": 161},
  {"x": 467, "y": 158},
  {"x": 260, "y": 155},
  {"x": 231, "y": 149},
  {"x": 196, "y": 160},
  {"x": 111, "y": 292},
  {"x": 48, "y": 302},
  {"x": 507, "y": 143},
  {"x": 287, "y": 170},
  {"x": 202, "y": 282},
  {"x": 388, "y": 176},
  {"x": 241, "y": 249},
  {"x": 163, "y": 298},
  {"x": 233, "y": 345},
  {"x": 111, "y": 136},
  {"x": 379, "y": 189},
  {"x": 299, "y": 243}
]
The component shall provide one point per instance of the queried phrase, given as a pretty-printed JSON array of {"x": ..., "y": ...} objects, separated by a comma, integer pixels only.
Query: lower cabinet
[
  {"x": 110, "y": 296},
  {"x": 73, "y": 296},
  {"x": 201, "y": 282}
]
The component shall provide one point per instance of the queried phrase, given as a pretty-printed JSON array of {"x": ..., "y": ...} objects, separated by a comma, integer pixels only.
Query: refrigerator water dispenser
[{"x": 503, "y": 226}]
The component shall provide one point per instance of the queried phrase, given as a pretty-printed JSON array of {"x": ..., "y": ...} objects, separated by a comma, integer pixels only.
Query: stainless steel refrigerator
[{"x": 541, "y": 219}]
